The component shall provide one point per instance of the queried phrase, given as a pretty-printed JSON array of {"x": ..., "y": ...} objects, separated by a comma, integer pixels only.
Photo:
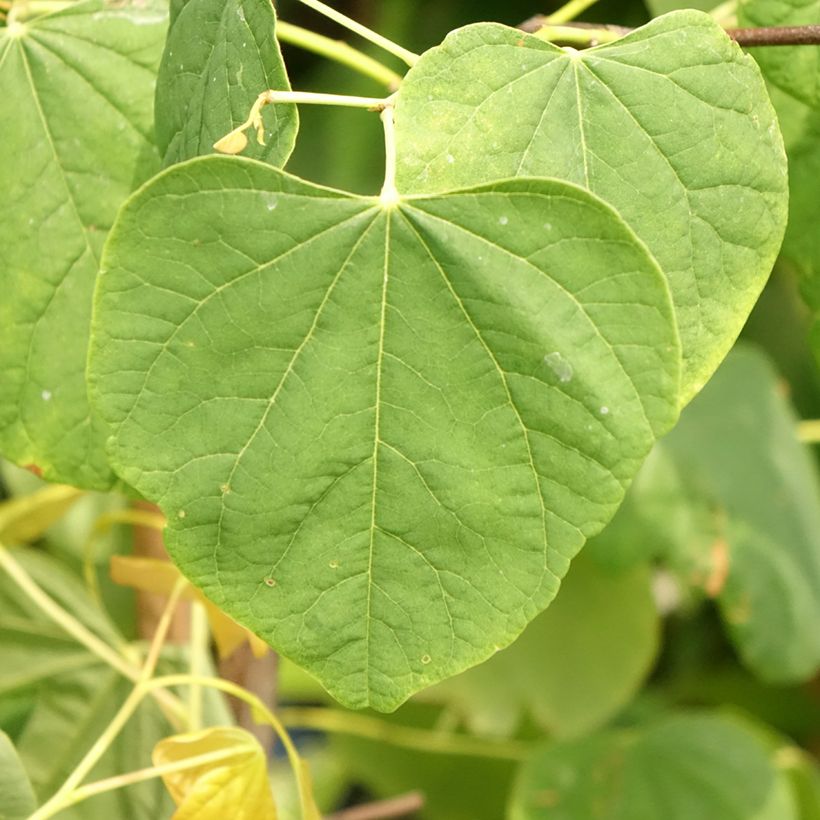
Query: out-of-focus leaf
[
  {"x": 71, "y": 711},
  {"x": 27, "y": 517},
  {"x": 17, "y": 800},
  {"x": 732, "y": 501},
  {"x": 683, "y": 767},
  {"x": 804, "y": 774},
  {"x": 220, "y": 55},
  {"x": 160, "y": 577},
  {"x": 76, "y": 114},
  {"x": 574, "y": 665},
  {"x": 455, "y": 787},
  {"x": 794, "y": 69},
  {"x": 233, "y": 784}
]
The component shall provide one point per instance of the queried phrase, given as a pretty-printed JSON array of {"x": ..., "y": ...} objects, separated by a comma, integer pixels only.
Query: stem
[
  {"x": 59, "y": 800},
  {"x": 585, "y": 34},
  {"x": 235, "y": 141},
  {"x": 339, "y": 51},
  {"x": 577, "y": 36},
  {"x": 316, "y": 98},
  {"x": 809, "y": 431},
  {"x": 408, "y": 737},
  {"x": 570, "y": 11},
  {"x": 199, "y": 653},
  {"x": 170, "y": 704},
  {"x": 389, "y": 195},
  {"x": 261, "y": 711},
  {"x": 141, "y": 775},
  {"x": 400, "y": 806},
  {"x": 357, "y": 28},
  {"x": 776, "y": 36},
  {"x": 63, "y": 618}
]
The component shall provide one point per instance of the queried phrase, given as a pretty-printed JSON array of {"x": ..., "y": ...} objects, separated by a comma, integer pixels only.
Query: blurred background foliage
[{"x": 676, "y": 669}]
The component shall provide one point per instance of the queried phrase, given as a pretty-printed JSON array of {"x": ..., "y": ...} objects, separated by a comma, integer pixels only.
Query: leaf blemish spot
[
  {"x": 503, "y": 220},
  {"x": 181, "y": 514},
  {"x": 560, "y": 366},
  {"x": 425, "y": 659},
  {"x": 604, "y": 410},
  {"x": 46, "y": 395},
  {"x": 334, "y": 564},
  {"x": 270, "y": 582},
  {"x": 225, "y": 488}
]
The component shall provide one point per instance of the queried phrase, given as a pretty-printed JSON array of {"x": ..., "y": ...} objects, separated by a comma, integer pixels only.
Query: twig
[
  {"x": 574, "y": 33},
  {"x": 399, "y": 806},
  {"x": 776, "y": 36}
]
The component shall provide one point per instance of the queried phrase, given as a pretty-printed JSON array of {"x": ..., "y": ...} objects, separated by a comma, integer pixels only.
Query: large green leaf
[
  {"x": 732, "y": 499},
  {"x": 378, "y": 434},
  {"x": 76, "y": 118},
  {"x": 219, "y": 57},
  {"x": 795, "y": 70},
  {"x": 17, "y": 800},
  {"x": 671, "y": 125},
  {"x": 687, "y": 766},
  {"x": 574, "y": 666}
]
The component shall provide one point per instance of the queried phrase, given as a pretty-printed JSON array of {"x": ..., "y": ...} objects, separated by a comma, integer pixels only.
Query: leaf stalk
[
  {"x": 339, "y": 51},
  {"x": 363, "y": 31}
]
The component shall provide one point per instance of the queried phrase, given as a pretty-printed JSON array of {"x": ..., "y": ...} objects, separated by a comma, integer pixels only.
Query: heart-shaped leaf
[
  {"x": 379, "y": 434},
  {"x": 671, "y": 125},
  {"x": 230, "y": 781},
  {"x": 220, "y": 55},
  {"x": 76, "y": 116}
]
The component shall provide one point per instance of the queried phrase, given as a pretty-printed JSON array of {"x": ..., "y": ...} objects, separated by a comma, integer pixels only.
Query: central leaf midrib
[{"x": 502, "y": 376}]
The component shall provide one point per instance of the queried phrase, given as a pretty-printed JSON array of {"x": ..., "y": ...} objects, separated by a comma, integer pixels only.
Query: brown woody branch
[
  {"x": 400, "y": 806},
  {"x": 766, "y": 36}
]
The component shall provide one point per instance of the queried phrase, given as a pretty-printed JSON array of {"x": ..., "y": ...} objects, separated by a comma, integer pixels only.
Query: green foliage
[
  {"x": 76, "y": 114},
  {"x": 795, "y": 70},
  {"x": 671, "y": 125},
  {"x": 688, "y": 765},
  {"x": 432, "y": 439},
  {"x": 613, "y": 621},
  {"x": 17, "y": 799},
  {"x": 381, "y": 428},
  {"x": 218, "y": 58},
  {"x": 732, "y": 486}
]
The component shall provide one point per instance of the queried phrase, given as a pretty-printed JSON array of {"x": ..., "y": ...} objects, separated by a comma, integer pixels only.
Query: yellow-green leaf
[{"x": 230, "y": 781}]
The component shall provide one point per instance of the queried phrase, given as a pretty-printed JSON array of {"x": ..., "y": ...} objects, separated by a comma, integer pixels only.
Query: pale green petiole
[
  {"x": 363, "y": 31},
  {"x": 339, "y": 51}
]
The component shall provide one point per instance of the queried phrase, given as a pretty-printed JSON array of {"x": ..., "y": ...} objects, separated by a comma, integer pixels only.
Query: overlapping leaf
[
  {"x": 574, "y": 666},
  {"x": 379, "y": 434},
  {"x": 17, "y": 800},
  {"x": 76, "y": 118},
  {"x": 219, "y": 57},
  {"x": 731, "y": 500},
  {"x": 671, "y": 125},
  {"x": 795, "y": 70},
  {"x": 684, "y": 766}
]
